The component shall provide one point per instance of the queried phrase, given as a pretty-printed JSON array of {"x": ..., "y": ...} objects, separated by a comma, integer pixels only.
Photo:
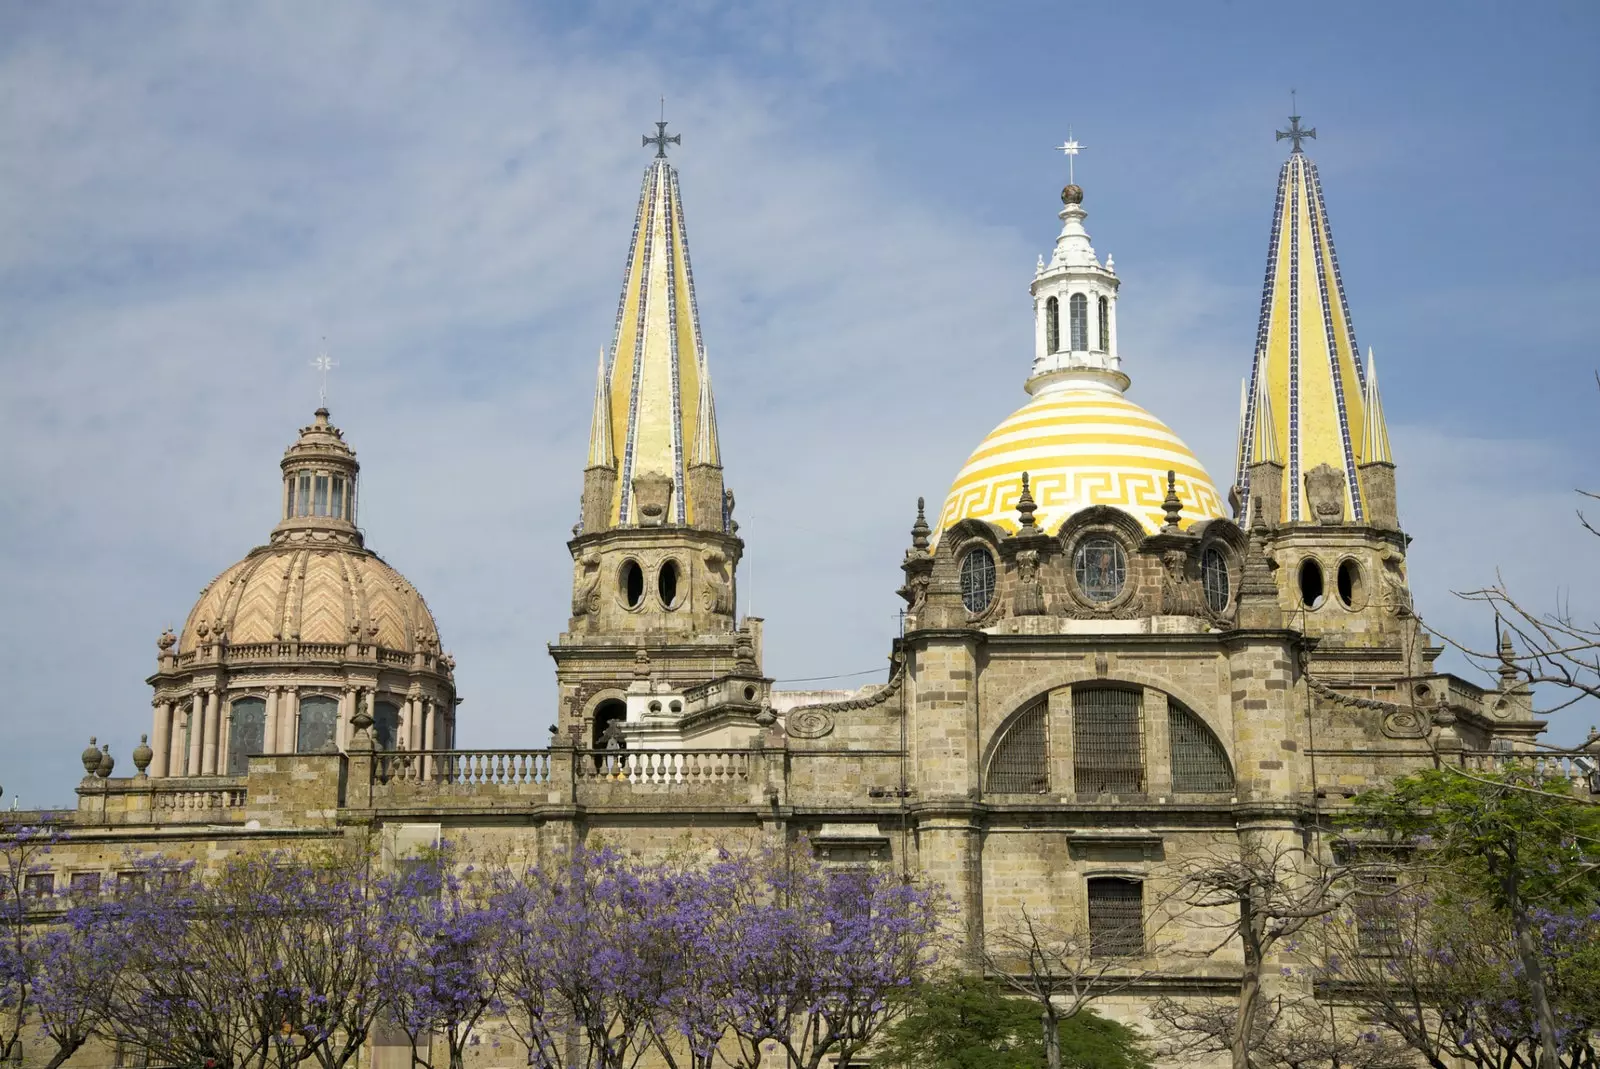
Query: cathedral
[{"x": 1110, "y": 661}]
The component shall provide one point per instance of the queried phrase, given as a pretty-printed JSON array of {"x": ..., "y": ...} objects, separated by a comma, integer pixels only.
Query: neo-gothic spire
[
  {"x": 657, "y": 361},
  {"x": 707, "y": 449},
  {"x": 1375, "y": 438},
  {"x": 1309, "y": 392},
  {"x": 602, "y": 454}
]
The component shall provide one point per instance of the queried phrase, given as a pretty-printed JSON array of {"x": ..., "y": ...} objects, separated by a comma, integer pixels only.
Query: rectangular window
[
  {"x": 305, "y": 494},
  {"x": 1377, "y": 914},
  {"x": 1116, "y": 918},
  {"x": 85, "y": 883},
  {"x": 1105, "y": 325},
  {"x": 1107, "y": 741},
  {"x": 39, "y": 884},
  {"x": 288, "y": 505},
  {"x": 322, "y": 496},
  {"x": 338, "y": 497},
  {"x": 130, "y": 883}
]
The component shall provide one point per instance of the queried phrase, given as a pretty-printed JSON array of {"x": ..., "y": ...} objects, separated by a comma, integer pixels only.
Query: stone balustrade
[
  {"x": 663, "y": 767},
  {"x": 141, "y": 800},
  {"x": 1577, "y": 767},
  {"x": 463, "y": 767}
]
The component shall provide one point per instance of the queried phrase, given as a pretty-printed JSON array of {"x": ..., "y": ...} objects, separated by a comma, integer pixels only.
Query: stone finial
[
  {"x": 1026, "y": 508},
  {"x": 920, "y": 531},
  {"x": 1508, "y": 659},
  {"x": 166, "y": 641},
  {"x": 142, "y": 755},
  {"x": 362, "y": 718},
  {"x": 106, "y": 763},
  {"x": 1172, "y": 506},
  {"x": 91, "y": 757},
  {"x": 744, "y": 649},
  {"x": 766, "y": 717}
]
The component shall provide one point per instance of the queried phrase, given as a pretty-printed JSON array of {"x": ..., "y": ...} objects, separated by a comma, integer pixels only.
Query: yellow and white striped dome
[{"x": 1083, "y": 445}]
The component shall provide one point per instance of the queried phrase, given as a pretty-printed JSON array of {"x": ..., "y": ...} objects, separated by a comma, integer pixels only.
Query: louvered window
[
  {"x": 1107, "y": 741},
  {"x": 1116, "y": 917},
  {"x": 1105, "y": 325},
  {"x": 1052, "y": 325},
  {"x": 1021, "y": 761},
  {"x": 1199, "y": 763},
  {"x": 1078, "y": 305}
]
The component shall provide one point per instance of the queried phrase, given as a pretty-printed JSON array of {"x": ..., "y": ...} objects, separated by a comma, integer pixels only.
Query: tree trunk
[
  {"x": 64, "y": 1050},
  {"x": 1052, "y": 1036},
  {"x": 1249, "y": 983},
  {"x": 1533, "y": 969}
]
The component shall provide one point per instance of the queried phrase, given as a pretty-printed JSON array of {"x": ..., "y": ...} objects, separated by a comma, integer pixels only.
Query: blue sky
[{"x": 192, "y": 197}]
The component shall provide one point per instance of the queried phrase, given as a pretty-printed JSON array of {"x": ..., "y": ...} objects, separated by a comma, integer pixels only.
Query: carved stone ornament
[
  {"x": 1175, "y": 600},
  {"x": 1407, "y": 724},
  {"x": 166, "y": 641},
  {"x": 808, "y": 724},
  {"x": 715, "y": 590},
  {"x": 142, "y": 754},
  {"x": 652, "y": 498},
  {"x": 1029, "y": 597},
  {"x": 1325, "y": 492},
  {"x": 91, "y": 756},
  {"x": 586, "y": 584}
]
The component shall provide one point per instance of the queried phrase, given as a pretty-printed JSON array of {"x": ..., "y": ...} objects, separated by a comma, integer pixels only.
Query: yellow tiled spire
[
  {"x": 1308, "y": 368},
  {"x": 602, "y": 454},
  {"x": 707, "y": 449},
  {"x": 657, "y": 358},
  {"x": 1375, "y": 438}
]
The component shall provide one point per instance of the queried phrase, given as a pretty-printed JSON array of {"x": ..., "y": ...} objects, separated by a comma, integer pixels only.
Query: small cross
[
  {"x": 661, "y": 140},
  {"x": 324, "y": 364},
  {"x": 1071, "y": 148},
  {"x": 1295, "y": 133}
]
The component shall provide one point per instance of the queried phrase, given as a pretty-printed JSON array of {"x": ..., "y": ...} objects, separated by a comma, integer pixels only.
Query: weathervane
[
  {"x": 1071, "y": 148},
  {"x": 1295, "y": 133},
  {"x": 324, "y": 364},
  {"x": 661, "y": 140}
]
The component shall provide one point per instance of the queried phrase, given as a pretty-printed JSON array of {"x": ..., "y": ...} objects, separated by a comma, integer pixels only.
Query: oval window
[
  {"x": 667, "y": 583},
  {"x": 1349, "y": 580},
  {"x": 1214, "y": 576},
  {"x": 1100, "y": 567},
  {"x": 632, "y": 584},
  {"x": 977, "y": 580},
  {"x": 1311, "y": 589}
]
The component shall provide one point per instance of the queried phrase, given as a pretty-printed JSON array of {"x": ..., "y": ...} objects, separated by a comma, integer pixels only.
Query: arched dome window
[
  {"x": 1105, "y": 324},
  {"x": 977, "y": 580},
  {"x": 1100, "y": 567},
  {"x": 386, "y": 724},
  {"x": 1199, "y": 763},
  {"x": 247, "y": 733},
  {"x": 1021, "y": 760},
  {"x": 319, "y": 722},
  {"x": 1107, "y": 740},
  {"x": 1079, "y": 306},
  {"x": 1052, "y": 325}
]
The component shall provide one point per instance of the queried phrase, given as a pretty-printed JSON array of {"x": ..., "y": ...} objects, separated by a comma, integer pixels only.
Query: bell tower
[
  {"x": 1315, "y": 474},
  {"x": 656, "y": 550}
]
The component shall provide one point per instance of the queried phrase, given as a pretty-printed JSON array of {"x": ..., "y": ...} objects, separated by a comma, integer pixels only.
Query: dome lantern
[{"x": 319, "y": 486}]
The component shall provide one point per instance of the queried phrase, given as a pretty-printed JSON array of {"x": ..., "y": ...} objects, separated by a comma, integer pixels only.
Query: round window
[
  {"x": 1214, "y": 576},
  {"x": 632, "y": 583},
  {"x": 977, "y": 580},
  {"x": 667, "y": 583},
  {"x": 1349, "y": 580},
  {"x": 1100, "y": 567}
]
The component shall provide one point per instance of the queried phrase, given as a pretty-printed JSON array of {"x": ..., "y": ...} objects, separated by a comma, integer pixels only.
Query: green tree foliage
[{"x": 968, "y": 1022}]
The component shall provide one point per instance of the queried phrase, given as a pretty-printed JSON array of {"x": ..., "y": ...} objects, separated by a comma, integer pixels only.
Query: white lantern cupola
[{"x": 1075, "y": 310}]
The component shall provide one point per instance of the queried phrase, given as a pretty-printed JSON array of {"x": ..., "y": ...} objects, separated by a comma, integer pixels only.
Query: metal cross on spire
[
  {"x": 1295, "y": 133},
  {"x": 1071, "y": 148},
  {"x": 661, "y": 140},
  {"x": 324, "y": 364}
]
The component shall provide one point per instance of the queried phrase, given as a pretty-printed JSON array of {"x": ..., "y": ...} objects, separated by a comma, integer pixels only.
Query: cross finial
[
  {"x": 1296, "y": 133},
  {"x": 661, "y": 140},
  {"x": 1071, "y": 148},
  {"x": 324, "y": 364}
]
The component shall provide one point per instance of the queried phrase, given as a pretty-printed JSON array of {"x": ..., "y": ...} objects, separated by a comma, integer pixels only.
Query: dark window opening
[
  {"x": 1021, "y": 761},
  {"x": 632, "y": 584},
  {"x": 1052, "y": 325},
  {"x": 386, "y": 725},
  {"x": 667, "y": 583},
  {"x": 1116, "y": 917},
  {"x": 247, "y": 734},
  {"x": 1214, "y": 577},
  {"x": 609, "y": 712},
  {"x": 1310, "y": 584},
  {"x": 1107, "y": 741},
  {"x": 1079, "y": 306},
  {"x": 977, "y": 580},
  {"x": 1105, "y": 325},
  {"x": 1349, "y": 580},
  {"x": 1377, "y": 915}
]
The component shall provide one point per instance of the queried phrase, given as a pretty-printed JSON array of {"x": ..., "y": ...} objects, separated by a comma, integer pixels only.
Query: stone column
[
  {"x": 224, "y": 740},
  {"x": 197, "y": 734},
  {"x": 1157, "y": 745},
  {"x": 269, "y": 740},
  {"x": 289, "y": 720},
  {"x": 347, "y": 709},
  {"x": 430, "y": 714},
  {"x": 208, "y": 755},
  {"x": 1059, "y": 711},
  {"x": 161, "y": 739},
  {"x": 410, "y": 732}
]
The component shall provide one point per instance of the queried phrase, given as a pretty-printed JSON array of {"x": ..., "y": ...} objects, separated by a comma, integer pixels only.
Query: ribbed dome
[
  {"x": 1082, "y": 445},
  {"x": 289, "y": 593}
]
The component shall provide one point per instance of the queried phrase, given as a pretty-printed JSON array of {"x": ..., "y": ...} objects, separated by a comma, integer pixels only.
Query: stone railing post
[{"x": 563, "y": 788}]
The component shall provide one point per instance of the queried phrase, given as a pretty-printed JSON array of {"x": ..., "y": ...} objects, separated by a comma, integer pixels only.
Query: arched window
[
  {"x": 1214, "y": 577},
  {"x": 319, "y": 723},
  {"x": 1100, "y": 567},
  {"x": 386, "y": 724},
  {"x": 1021, "y": 760},
  {"x": 247, "y": 733},
  {"x": 1199, "y": 763},
  {"x": 1052, "y": 325},
  {"x": 1105, "y": 324},
  {"x": 977, "y": 580},
  {"x": 1079, "y": 305},
  {"x": 1107, "y": 741}
]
